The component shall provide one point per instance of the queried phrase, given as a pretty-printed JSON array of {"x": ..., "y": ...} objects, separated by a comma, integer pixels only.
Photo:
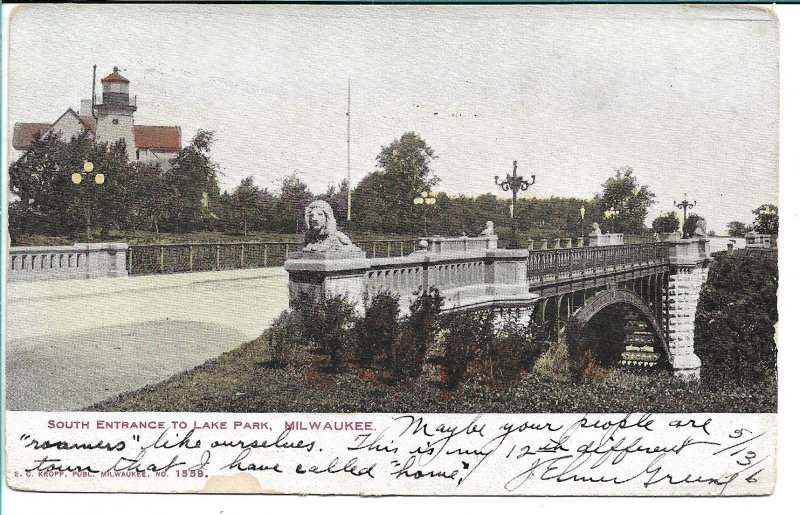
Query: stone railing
[
  {"x": 480, "y": 277},
  {"x": 79, "y": 261}
]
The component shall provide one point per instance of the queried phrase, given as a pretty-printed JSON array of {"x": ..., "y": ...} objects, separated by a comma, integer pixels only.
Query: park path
[{"x": 71, "y": 343}]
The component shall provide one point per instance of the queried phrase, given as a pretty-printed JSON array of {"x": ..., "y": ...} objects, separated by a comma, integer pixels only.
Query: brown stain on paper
[{"x": 241, "y": 483}]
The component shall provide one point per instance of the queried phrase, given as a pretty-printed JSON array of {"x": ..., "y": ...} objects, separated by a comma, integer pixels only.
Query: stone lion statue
[
  {"x": 489, "y": 230},
  {"x": 596, "y": 228},
  {"x": 321, "y": 231}
]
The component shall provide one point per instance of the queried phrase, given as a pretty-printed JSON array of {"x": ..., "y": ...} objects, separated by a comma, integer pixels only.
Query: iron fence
[{"x": 196, "y": 257}]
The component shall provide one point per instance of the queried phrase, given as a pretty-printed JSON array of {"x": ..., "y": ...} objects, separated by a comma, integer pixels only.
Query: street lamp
[
  {"x": 685, "y": 205},
  {"x": 516, "y": 184},
  {"x": 99, "y": 179},
  {"x": 425, "y": 199},
  {"x": 611, "y": 214}
]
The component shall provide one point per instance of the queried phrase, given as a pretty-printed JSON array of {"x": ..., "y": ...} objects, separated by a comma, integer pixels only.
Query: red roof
[
  {"x": 157, "y": 137},
  {"x": 24, "y": 133},
  {"x": 115, "y": 77}
]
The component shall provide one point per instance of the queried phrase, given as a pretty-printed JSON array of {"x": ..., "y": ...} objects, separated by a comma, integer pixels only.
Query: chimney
[{"x": 86, "y": 108}]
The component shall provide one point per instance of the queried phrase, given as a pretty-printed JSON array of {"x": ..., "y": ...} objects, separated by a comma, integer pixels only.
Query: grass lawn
[{"x": 243, "y": 380}]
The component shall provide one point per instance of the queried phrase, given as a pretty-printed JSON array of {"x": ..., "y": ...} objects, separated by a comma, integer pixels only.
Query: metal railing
[
  {"x": 197, "y": 257},
  {"x": 556, "y": 264}
]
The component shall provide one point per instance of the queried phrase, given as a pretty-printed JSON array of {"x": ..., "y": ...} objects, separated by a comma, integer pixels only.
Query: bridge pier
[{"x": 689, "y": 260}]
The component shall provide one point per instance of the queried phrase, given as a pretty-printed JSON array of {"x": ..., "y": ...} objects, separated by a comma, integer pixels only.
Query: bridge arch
[{"x": 585, "y": 330}]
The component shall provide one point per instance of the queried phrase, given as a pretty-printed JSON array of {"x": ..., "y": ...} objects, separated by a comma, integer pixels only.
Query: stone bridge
[{"x": 618, "y": 303}]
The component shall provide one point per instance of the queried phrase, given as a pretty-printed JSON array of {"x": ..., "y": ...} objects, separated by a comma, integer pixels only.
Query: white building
[{"x": 108, "y": 119}]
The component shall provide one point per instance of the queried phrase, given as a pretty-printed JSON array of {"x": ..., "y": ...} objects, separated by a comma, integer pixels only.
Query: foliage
[
  {"x": 375, "y": 333},
  {"x": 193, "y": 180},
  {"x": 738, "y": 229},
  {"x": 666, "y": 223},
  {"x": 416, "y": 335},
  {"x": 691, "y": 223},
  {"x": 517, "y": 347},
  {"x": 134, "y": 196},
  {"x": 383, "y": 200},
  {"x": 736, "y": 317},
  {"x": 766, "y": 221},
  {"x": 326, "y": 325},
  {"x": 283, "y": 337},
  {"x": 623, "y": 193},
  {"x": 465, "y": 336}
]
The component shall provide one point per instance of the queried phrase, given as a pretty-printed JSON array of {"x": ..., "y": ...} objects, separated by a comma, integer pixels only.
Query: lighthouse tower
[{"x": 114, "y": 112}]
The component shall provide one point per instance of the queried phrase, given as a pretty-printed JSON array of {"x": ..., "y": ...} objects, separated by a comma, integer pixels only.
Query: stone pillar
[{"x": 689, "y": 262}]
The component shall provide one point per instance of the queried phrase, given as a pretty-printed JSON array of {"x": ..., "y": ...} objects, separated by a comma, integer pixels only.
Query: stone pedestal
[
  {"x": 689, "y": 260},
  {"x": 325, "y": 275}
]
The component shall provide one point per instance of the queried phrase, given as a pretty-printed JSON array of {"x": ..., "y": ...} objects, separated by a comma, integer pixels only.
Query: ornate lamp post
[
  {"x": 425, "y": 199},
  {"x": 685, "y": 205},
  {"x": 611, "y": 214},
  {"x": 515, "y": 183},
  {"x": 99, "y": 179}
]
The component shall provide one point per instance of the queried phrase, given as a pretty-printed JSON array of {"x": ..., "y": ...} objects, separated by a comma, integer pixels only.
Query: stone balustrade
[
  {"x": 470, "y": 273},
  {"x": 79, "y": 261}
]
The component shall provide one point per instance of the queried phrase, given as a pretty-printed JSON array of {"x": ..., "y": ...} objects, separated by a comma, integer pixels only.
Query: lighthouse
[{"x": 114, "y": 111}]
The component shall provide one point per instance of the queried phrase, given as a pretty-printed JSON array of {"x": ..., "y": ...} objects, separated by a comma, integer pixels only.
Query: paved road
[{"x": 72, "y": 343}]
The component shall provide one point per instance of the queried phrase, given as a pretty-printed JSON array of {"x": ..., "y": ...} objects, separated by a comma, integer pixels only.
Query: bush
[
  {"x": 416, "y": 335},
  {"x": 736, "y": 317},
  {"x": 327, "y": 326},
  {"x": 375, "y": 334},
  {"x": 467, "y": 337},
  {"x": 516, "y": 348},
  {"x": 282, "y": 338}
]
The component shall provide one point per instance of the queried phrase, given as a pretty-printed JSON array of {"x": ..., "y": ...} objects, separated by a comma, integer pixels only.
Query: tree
[
  {"x": 623, "y": 194},
  {"x": 738, "y": 229},
  {"x": 383, "y": 201},
  {"x": 49, "y": 201},
  {"x": 248, "y": 204},
  {"x": 193, "y": 180},
  {"x": 666, "y": 223},
  {"x": 691, "y": 223},
  {"x": 291, "y": 203},
  {"x": 766, "y": 221}
]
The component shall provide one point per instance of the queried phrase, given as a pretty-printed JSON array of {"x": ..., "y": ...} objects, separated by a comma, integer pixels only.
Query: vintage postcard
[{"x": 516, "y": 250}]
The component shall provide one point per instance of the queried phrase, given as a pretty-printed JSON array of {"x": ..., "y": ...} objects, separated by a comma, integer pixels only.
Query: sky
[{"x": 685, "y": 95}]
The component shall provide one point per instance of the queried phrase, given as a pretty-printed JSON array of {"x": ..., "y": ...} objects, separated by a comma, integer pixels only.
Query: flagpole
[{"x": 349, "y": 181}]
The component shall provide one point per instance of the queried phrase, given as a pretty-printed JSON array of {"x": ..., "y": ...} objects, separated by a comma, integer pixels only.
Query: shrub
[
  {"x": 467, "y": 337},
  {"x": 375, "y": 334},
  {"x": 416, "y": 335},
  {"x": 516, "y": 347},
  {"x": 326, "y": 325},
  {"x": 736, "y": 317},
  {"x": 282, "y": 338}
]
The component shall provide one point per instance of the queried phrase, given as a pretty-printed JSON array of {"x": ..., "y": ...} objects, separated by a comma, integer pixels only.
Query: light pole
[
  {"x": 99, "y": 179},
  {"x": 611, "y": 214},
  {"x": 685, "y": 205},
  {"x": 425, "y": 199},
  {"x": 515, "y": 183}
]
